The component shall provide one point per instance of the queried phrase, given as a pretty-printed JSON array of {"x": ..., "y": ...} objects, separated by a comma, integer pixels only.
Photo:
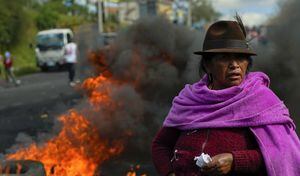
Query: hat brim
[{"x": 227, "y": 50}]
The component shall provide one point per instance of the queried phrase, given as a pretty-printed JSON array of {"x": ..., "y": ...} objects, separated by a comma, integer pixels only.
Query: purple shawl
[{"x": 251, "y": 104}]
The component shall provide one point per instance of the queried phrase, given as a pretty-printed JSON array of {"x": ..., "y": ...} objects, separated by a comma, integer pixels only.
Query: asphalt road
[{"x": 31, "y": 107}]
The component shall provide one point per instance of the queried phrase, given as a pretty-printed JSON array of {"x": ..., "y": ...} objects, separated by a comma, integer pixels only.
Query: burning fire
[
  {"x": 78, "y": 149},
  {"x": 98, "y": 90}
]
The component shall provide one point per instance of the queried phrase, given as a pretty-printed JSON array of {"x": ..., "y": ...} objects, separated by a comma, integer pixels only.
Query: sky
[{"x": 253, "y": 12}]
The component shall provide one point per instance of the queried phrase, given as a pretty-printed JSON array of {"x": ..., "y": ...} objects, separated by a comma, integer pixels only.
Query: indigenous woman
[{"x": 230, "y": 114}]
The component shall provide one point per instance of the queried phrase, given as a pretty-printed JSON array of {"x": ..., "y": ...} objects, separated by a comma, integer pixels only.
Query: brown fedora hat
[{"x": 226, "y": 37}]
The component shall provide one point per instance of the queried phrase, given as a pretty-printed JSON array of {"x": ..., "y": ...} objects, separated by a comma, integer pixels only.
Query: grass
[
  {"x": 24, "y": 62},
  {"x": 25, "y": 70}
]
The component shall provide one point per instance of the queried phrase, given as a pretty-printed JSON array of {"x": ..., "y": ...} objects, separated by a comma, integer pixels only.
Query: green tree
[
  {"x": 46, "y": 19},
  {"x": 60, "y": 13},
  {"x": 203, "y": 10},
  {"x": 11, "y": 14}
]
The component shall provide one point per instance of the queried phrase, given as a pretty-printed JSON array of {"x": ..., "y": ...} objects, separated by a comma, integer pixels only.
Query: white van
[{"x": 49, "y": 48}]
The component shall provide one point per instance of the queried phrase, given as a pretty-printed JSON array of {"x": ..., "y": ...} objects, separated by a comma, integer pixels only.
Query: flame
[
  {"x": 98, "y": 90},
  {"x": 19, "y": 168},
  {"x": 78, "y": 149},
  {"x": 99, "y": 61}
]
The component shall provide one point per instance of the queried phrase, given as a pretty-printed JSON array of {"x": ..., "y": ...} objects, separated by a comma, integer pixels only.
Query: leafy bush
[
  {"x": 11, "y": 13},
  {"x": 46, "y": 19},
  {"x": 29, "y": 69}
]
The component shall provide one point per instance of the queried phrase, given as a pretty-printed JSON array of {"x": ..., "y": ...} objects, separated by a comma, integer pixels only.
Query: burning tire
[{"x": 22, "y": 168}]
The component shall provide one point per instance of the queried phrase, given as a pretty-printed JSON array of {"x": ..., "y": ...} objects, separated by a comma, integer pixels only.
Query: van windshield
[{"x": 50, "y": 40}]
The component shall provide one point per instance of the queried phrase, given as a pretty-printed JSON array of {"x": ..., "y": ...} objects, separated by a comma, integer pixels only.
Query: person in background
[
  {"x": 8, "y": 69},
  {"x": 70, "y": 55},
  {"x": 0, "y": 66},
  {"x": 230, "y": 118}
]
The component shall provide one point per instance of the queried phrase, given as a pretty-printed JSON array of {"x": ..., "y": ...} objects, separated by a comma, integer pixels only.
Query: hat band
[{"x": 218, "y": 44}]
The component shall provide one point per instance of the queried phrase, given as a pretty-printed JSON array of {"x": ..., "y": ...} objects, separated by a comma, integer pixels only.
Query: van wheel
[
  {"x": 44, "y": 68},
  {"x": 61, "y": 67}
]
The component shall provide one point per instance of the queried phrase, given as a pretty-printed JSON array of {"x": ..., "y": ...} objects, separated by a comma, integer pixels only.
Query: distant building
[
  {"x": 165, "y": 8},
  {"x": 128, "y": 12},
  {"x": 147, "y": 7},
  {"x": 133, "y": 10}
]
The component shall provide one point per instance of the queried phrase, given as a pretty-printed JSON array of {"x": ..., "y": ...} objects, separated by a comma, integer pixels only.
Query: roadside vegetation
[{"x": 20, "y": 21}]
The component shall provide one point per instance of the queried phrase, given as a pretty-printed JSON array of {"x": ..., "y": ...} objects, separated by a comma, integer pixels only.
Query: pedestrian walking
[
  {"x": 1, "y": 70},
  {"x": 70, "y": 55},
  {"x": 0, "y": 65},
  {"x": 8, "y": 69}
]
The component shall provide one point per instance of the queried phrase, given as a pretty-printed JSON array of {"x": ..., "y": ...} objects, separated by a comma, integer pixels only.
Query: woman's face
[{"x": 227, "y": 69}]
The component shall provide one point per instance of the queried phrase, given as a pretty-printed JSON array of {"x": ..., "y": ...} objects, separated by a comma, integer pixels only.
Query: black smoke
[
  {"x": 280, "y": 57},
  {"x": 149, "y": 63},
  {"x": 155, "y": 60}
]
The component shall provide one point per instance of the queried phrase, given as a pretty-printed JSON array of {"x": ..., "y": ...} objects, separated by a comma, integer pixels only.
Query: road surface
[{"x": 31, "y": 107}]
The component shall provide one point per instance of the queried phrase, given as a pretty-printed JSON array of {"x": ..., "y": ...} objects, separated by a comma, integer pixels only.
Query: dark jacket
[{"x": 174, "y": 150}]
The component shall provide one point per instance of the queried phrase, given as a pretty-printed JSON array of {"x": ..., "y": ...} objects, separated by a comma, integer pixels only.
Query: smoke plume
[
  {"x": 279, "y": 58},
  {"x": 153, "y": 59},
  {"x": 150, "y": 62}
]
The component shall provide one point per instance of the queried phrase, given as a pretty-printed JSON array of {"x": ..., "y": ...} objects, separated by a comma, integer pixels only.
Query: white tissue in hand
[{"x": 202, "y": 160}]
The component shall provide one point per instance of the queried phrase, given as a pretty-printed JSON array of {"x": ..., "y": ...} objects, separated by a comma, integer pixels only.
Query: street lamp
[{"x": 189, "y": 18}]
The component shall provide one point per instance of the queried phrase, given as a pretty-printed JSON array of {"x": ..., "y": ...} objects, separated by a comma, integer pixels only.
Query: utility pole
[
  {"x": 189, "y": 19},
  {"x": 100, "y": 16}
]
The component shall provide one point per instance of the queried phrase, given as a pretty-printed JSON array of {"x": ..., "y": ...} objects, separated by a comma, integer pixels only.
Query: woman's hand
[
  {"x": 171, "y": 174},
  {"x": 220, "y": 165}
]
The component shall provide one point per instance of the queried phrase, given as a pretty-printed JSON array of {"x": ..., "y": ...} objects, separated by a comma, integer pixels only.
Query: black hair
[
  {"x": 69, "y": 38},
  {"x": 204, "y": 60}
]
